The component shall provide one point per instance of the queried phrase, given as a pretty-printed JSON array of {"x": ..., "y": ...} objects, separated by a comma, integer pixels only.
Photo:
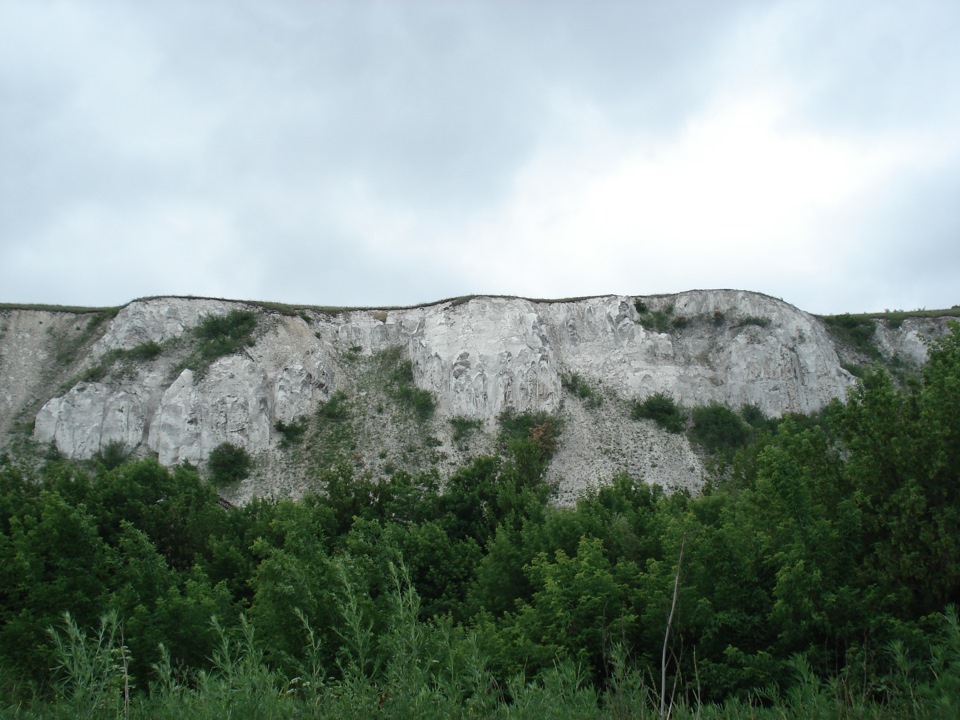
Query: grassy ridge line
[
  {"x": 898, "y": 314},
  {"x": 60, "y": 308},
  {"x": 288, "y": 309}
]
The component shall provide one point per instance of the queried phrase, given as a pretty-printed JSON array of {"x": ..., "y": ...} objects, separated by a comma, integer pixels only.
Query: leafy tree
[
  {"x": 719, "y": 429},
  {"x": 53, "y": 560},
  {"x": 579, "y": 604},
  {"x": 440, "y": 567},
  {"x": 904, "y": 466},
  {"x": 293, "y": 578}
]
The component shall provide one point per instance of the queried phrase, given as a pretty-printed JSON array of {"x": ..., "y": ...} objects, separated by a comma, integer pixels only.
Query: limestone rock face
[
  {"x": 909, "y": 341},
  {"x": 477, "y": 358},
  {"x": 90, "y": 416}
]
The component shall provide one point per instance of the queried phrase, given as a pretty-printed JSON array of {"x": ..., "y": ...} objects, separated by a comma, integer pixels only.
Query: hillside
[{"x": 302, "y": 389}]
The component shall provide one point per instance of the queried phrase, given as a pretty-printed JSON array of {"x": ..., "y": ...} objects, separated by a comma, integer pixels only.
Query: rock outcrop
[{"x": 477, "y": 358}]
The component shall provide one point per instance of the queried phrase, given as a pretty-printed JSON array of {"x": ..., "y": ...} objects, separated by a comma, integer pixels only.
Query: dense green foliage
[
  {"x": 719, "y": 429},
  {"x": 855, "y": 331},
  {"x": 663, "y": 410},
  {"x": 228, "y": 463},
  {"x": 661, "y": 320},
  {"x": 219, "y": 335},
  {"x": 816, "y": 577}
]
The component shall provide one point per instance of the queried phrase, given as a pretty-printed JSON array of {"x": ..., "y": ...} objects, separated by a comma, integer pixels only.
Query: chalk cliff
[{"x": 476, "y": 357}]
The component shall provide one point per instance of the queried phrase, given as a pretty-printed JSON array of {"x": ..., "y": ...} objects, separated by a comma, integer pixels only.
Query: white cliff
[{"x": 477, "y": 358}]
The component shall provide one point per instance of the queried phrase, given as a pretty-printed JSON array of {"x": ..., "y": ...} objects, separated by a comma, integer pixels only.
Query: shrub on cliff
[
  {"x": 228, "y": 463},
  {"x": 663, "y": 410},
  {"x": 221, "y": 335},
  {"x": 719, "y": 429}
]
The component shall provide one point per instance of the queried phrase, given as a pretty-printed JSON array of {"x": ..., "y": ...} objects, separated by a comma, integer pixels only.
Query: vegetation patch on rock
[
  {"x": 663, "y": 410},
  {"x": 218, "y": 336}
]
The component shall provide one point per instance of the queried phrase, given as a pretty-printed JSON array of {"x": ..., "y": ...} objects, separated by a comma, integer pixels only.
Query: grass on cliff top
[
  {"x": 857, "y": 330},
  {"x": 895, "y": 317},
  {"x": 76, "y": 309},
  {"x": 288, "y": 309}
]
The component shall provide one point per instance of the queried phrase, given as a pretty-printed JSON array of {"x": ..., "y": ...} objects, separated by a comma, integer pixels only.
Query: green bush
[
  {"x": 660, "y": 320},
  {"x": 221, "y": 335},
  {"x": 228, "y": 463},
  {"x": 855, "y": 332},
  {"x": 420, "y": 402},
  {"x": 145, "y": 351},
  {"x": 755, "y": 418},
  {"x": 719, "y": 429},
  {"x": 400, "y": 387},
  {"x": 542, "y": 428},
  {"x": 663, "y": 410},
  {"x": 756, "y": 320},
  {"x": 112, "y": 455},
  {"x": 858, "y": 371},
  {"x": 337, "y": 408},
  {"x": 575, "y": 384},
  {"x": 292, "y": 433},
  {"x": 463, "y": 428}
]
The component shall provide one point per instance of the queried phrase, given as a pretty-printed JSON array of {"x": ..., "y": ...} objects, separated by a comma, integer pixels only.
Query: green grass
[
  {"x": 902, "y": 314},
  {"x": 300, "y": 309},
  {"x": 292, "y": 433},
  {"x": 755, "y": 320},
  {"x": 893, "y": 318},
  {"x": 854, "y": 331},
  {"x": 578, "y": 386},
  {"x": 331, "y": 437},
  {"x": 463, "y": 429},
  {"x": 397, "y": 377},
  {"x": 73, "y": 309},
  {"x": 126, "y": 359},
  {"x": 661, "y": 320},
  {"x": 218, "y": 336}
]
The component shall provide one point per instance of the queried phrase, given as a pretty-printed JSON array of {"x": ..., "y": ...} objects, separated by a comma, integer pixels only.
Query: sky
[{"x": 395, "y": 153}]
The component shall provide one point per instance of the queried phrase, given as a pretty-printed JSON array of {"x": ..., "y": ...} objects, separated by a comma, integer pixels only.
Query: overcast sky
[{"x": 393, "y": 153}]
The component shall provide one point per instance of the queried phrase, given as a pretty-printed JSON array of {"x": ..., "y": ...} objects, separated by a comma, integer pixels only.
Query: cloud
[
  {"x": 368, "y": 153},
  {"x": 739, "y": 194}
]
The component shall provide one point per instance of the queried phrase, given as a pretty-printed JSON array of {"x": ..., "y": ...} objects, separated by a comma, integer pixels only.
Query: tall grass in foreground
[{"x": 437, "y": 671}]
